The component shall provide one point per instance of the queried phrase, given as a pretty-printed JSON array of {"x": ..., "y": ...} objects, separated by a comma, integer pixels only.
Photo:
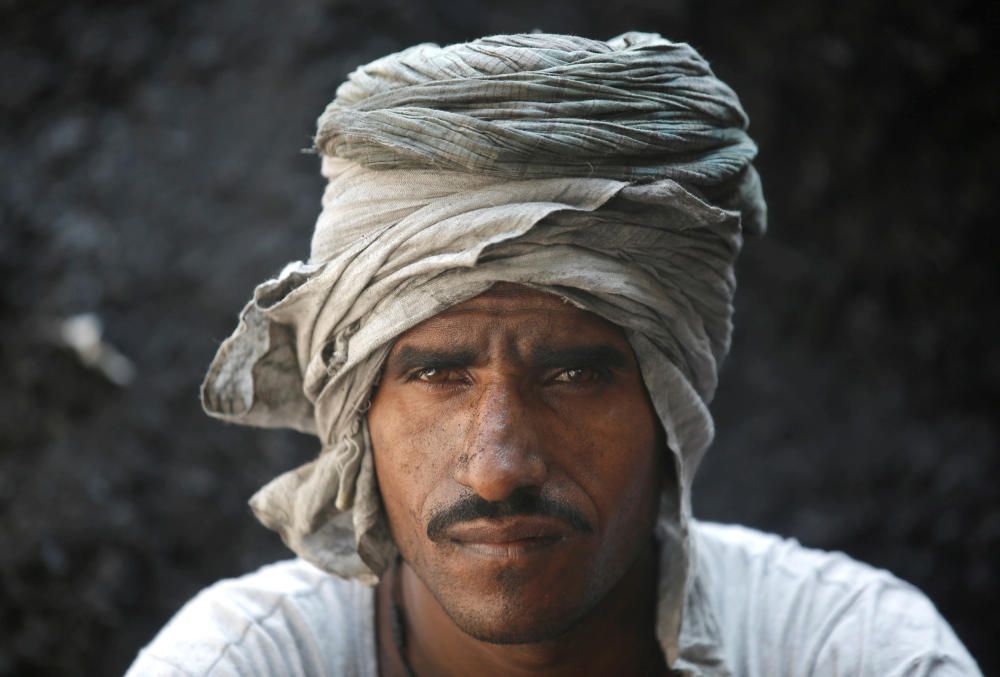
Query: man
[{"x": 506, "y": 337}]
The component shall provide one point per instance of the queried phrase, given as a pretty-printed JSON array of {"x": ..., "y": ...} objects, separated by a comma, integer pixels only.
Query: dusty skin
[{"x": 520, "y": 464}]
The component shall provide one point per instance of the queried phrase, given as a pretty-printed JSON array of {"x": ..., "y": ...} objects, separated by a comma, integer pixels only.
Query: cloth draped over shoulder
[{"x": 616, "y": 175}]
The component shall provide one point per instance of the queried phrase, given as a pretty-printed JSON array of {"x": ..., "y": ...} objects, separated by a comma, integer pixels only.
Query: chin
[
  {"x": 515, "y": 607},
  {"x": 513, "y": 625}
]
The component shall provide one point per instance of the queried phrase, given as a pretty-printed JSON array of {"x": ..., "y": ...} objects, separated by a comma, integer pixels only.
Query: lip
[{"x": 508, "y": 537}]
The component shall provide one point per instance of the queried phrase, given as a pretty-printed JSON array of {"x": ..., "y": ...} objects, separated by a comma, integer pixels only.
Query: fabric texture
[
  {"x": 614, "y": 174},
  {"x": 781, "y": 610}
]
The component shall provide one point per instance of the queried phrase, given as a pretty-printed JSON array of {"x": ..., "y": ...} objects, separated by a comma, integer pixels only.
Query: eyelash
[
  {"x": 416, "y": 374},
  {"x": 598, "y": 373}
]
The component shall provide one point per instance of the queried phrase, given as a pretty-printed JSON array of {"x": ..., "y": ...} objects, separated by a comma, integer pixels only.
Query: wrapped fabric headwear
[{"x": 614, "y": 174}]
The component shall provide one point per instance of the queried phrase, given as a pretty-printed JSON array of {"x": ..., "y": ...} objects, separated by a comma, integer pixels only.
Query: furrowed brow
[
  {"x": 410, "y": 358},
  {"x": 603, "y": 355}
]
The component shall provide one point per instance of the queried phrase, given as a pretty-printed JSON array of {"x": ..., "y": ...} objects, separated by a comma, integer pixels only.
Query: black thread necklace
[{"x": 396, "y": 621}]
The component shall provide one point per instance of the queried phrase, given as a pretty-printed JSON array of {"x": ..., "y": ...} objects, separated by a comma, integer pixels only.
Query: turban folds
[{"x": 614, "y": 174}]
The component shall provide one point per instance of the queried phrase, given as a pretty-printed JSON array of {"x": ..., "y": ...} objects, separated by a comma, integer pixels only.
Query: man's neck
[{"x": 616, "y": 637}]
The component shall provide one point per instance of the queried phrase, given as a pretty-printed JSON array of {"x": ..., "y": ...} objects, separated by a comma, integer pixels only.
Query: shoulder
[
  {"x": 784, "y": 609},
  {"x": 288, "y": 618}
]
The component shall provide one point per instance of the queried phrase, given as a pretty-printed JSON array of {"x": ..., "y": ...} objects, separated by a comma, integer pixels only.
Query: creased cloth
[{"x": 614, "y": 174}]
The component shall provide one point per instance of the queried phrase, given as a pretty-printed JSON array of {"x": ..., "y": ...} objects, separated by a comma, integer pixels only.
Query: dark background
[{"x": 152, "y": 174}]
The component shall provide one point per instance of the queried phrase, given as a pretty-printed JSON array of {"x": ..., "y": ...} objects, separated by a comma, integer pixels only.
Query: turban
[{"x": 616, "y": 175}]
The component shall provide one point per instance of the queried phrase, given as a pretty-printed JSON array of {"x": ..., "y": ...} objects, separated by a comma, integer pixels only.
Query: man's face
[{"x": 519, "y": 461}]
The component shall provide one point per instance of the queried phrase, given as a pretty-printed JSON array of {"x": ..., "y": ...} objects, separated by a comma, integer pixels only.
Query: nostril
[{"x": 494, "y": 472}]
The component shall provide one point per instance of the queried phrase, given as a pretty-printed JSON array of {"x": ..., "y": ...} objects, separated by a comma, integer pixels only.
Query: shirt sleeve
[
  {"x": 789, "y": 611},
  {"x": 148, "y": 665},
  {"x": 288, "y": 619},
  {"x": 889, "y": 628},
  {"x": 218, "y": 634}
]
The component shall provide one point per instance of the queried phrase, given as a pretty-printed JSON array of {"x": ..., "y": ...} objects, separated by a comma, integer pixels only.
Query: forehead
[{"x": 522, "y": 313}]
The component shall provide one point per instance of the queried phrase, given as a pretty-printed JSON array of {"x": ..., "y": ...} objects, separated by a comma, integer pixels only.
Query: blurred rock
[{"x": 153, "y": 174}]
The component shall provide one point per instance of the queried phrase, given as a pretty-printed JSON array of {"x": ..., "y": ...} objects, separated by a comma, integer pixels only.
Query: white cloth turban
[{"x": 614, "y": 174}]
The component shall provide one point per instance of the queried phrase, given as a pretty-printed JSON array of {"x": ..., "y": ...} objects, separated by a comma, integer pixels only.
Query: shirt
[{"x": 780, "y": 609}]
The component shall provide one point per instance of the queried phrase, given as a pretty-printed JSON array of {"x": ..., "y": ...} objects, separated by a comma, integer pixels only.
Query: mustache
[{"x": 472, "y": 507}]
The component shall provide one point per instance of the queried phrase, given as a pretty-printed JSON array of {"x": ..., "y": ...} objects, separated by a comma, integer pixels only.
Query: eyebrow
[
  {"x": 603, "y": 355},
  {"x": 410, "y": 358}
]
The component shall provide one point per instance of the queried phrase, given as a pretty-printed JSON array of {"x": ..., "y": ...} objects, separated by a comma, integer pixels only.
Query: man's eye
[
  {"x": 435, "y": 375},
  {"x": 577, "y": 375}
]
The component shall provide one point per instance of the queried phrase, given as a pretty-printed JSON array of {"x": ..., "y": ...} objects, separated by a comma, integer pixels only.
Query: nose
[{"x": 502, "y": 451}]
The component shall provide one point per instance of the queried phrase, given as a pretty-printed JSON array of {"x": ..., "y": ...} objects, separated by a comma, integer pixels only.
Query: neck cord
[{"x": 396, "y": 621}]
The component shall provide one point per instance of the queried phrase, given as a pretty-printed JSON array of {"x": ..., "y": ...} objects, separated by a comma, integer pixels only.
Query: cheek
[
  {"x": 624, "y": 458},
  {"x": 411, "y": 448}
]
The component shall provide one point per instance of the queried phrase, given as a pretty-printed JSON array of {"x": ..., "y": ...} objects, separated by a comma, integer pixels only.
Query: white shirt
[{"x": 781, "y": 610}]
